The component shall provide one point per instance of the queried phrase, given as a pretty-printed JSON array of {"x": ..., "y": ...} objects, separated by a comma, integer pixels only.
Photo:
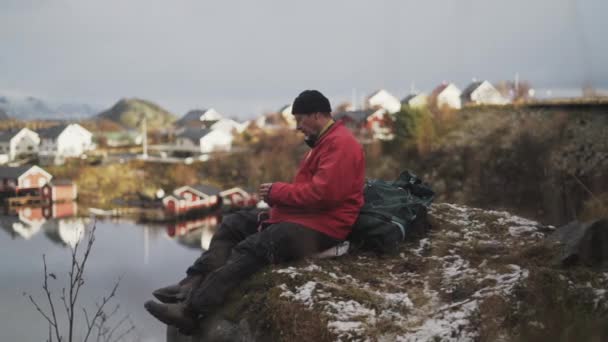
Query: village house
[
  {"x": 385, "y": 100},
  {"x": 57, "y": 191},
  {"x": 287, "y": 115},
  {"x": 229, "y": 126},
  {"x": 189, "y": 198},
  {"x": 356, "y": 120},
  {"x": 22, "y": 180},
  {"x": 120, "y": 138},
  {"x": 272, "y": 122},
  {"x": 199, "y": 118},
  {"x": 415, "y": 101},
  {"x": 64, "y": 141},
  {"x": 446, "y": 95},
  {"x": 482, "y": 93},
  {"x": 367, "y": 123},
  {"x": 193, "y": 140},
  {"x": 238, "y": 197},
  {"x": 14, "y": 144}
]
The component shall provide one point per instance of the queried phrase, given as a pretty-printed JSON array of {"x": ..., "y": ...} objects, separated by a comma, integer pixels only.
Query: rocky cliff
[{"x": 477, "y": 276}]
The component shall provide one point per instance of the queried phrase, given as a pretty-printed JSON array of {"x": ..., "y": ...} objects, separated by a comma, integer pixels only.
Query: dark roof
[
  {"x": 439, "y": 89},
  {"x": 193, "y": 115},
  {"x": 194, "y": 134},
  {"x": 61, "y": 182},
  {"x": 407, "y": 99},
  {"x": 357, "y": 115},
  {"x": 51, "y": 132},
  {"x": 283, "y": 108},
  {"x": 375, "y": 93},
  {"x": 13, "y": 172},
  {"x": 7, "y": 135},
  {"x": 466, "y": 94},
  {"x": 206, "y": 189}
]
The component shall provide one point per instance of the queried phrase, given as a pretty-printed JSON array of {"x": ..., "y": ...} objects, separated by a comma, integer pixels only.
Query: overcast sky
[{"x": 245, "y": 57}]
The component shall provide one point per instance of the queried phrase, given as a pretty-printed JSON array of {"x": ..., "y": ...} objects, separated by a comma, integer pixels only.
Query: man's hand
[{"x": 264, "y": 191}]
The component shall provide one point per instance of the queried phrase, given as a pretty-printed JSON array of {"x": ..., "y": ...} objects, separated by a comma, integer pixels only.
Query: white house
[
  {"x": 64, "y": 141},
  {"x": 482, "y": 93},
  {"x": 198, "y": 117},
  {"x": 447, "y": 95},
  {"x": 272, "y": 122},
  {"x": 203, "y": 140},
  {"x": 287, "y": 115},
  {"x": 228, "y": 126},
  {"x": 384, "y": 99},
  {"x": 16, "y": 143},
  {"x": 216, "y": 141},
  {"x": 415, "y": 100}
]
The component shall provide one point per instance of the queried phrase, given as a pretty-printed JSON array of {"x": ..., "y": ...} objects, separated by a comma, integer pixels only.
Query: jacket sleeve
[{"x": 331, "y": 184}]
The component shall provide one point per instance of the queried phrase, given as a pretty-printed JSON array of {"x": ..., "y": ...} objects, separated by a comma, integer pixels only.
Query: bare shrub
[{"x": 101, "y": 322}]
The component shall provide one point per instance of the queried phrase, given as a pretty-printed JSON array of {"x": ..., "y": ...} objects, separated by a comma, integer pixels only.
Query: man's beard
[{"x": 311, "y": 140}]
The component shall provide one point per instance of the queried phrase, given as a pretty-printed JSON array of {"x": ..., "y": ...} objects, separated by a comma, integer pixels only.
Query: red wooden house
[
  {"x": 238, "y": 197},
  {"x": 59, "y": 191},
  {"x": 23, "y": 180},
  {"x": 366, "y": 123},
  {"x": 191, "y": 198}
]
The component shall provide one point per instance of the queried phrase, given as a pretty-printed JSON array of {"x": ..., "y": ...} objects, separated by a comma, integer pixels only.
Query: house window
[{"x": 29, "y": 148}]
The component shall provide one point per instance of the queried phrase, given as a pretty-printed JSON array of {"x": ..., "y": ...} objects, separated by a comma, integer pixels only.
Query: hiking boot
[
  {"x": 177, "y": 292},
  {"x": 177, "y": 315}
]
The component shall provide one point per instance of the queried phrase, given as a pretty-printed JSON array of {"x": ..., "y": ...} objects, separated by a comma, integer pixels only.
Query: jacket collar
[{"x": 329, "y": 131}]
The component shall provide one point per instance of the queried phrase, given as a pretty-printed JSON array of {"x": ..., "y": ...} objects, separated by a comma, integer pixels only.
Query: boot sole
[
  {"x": 167, "y": 298},
  {"x": 185, "y": 329}
]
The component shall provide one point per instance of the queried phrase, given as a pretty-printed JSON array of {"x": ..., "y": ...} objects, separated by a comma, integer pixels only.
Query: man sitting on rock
[{"x": 309, "y": 215}]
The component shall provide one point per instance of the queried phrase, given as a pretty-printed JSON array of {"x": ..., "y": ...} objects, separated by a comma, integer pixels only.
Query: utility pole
[{"x": 144, "y": 138}]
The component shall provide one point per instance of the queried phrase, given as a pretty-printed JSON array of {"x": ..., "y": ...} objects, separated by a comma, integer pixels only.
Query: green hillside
[{"x": 130, "y": 113}]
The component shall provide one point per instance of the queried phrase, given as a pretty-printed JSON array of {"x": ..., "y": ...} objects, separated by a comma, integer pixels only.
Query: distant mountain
[
  {"x": 130, "y": 113},
  {"x": 29, "y": 107},
  {"x": 3, "y": 115}
]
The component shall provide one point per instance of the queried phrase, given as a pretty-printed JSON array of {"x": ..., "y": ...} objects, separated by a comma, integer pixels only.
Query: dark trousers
[{"x": 238, "y": 250}]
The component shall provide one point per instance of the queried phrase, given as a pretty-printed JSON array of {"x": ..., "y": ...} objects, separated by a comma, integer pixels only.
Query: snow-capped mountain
[{"x": 25, "y": 107}]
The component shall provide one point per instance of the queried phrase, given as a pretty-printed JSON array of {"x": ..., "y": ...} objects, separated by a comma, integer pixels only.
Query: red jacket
[{"x": 327, "y": 192}]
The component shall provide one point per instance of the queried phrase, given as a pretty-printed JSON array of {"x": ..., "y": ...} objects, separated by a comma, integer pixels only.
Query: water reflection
[
  {"x": 194, "y": 233},
  {"x": 145, "y": 256},
  {"x": 58, "y": 222}
]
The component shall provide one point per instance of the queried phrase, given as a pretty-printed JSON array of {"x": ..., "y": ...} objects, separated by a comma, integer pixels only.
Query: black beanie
[{"x": 310, "y": 101}]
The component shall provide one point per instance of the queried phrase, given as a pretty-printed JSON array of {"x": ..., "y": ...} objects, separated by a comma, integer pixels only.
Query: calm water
[{"x": 147, "y": 257}]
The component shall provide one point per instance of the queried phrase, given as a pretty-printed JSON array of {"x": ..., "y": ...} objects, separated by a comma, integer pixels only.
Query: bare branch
[
  {"x": 86, "y": 317},
  {"x": 100, "y": 319},
  {"x": 124, "y": 334},
  {"x": 113, "y": 330},
  {"x": 65, "y": 304},
  {"x": 40, "y": 310},
  {"x": 50, "y": 299},
  {"x": 99, "y": 312}
]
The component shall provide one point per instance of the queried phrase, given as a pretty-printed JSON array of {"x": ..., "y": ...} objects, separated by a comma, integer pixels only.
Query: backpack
[{"x": 392, "y": 212}]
